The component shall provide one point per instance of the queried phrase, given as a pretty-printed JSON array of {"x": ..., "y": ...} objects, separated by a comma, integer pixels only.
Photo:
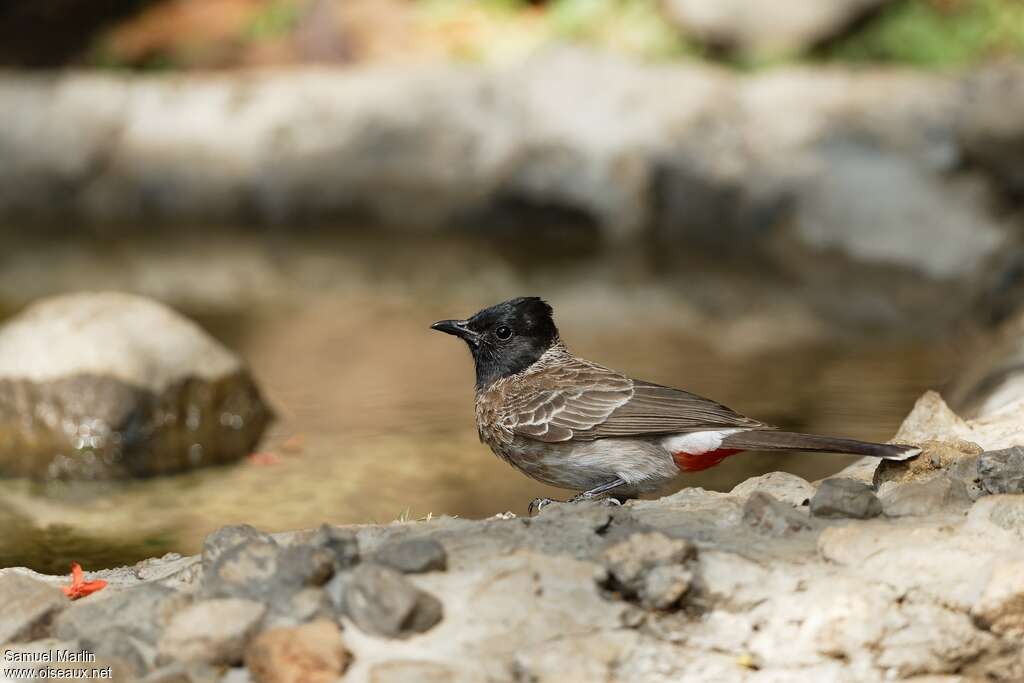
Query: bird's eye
[{"x": 503, "y": 332}]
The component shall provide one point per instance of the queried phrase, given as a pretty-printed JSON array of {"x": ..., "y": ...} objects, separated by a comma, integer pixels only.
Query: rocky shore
[
  {"x": 682, "y": 154},
  {"x": 912, "y": 571}
]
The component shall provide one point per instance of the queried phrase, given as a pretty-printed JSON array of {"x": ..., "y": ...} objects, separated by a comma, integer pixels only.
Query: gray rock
[
  {"x": 1002, "y": 471},
  {"x": 414, "y": 556},
  {"x": 845, "y": 498},
  {"x": 98, "y": 386},
  {"x": 381, "y": 601},
  {"x": 211, "y": 632},
  {"x": 772, "y": 517},
  {"x": 757, "y": 29},
  {"x": 29, "y": 607},
  {"x": 778, "y": 157},
  {"x": 649, "y": 568},
  {"x": 227, "y": 538},
  {"x": 916, "y": 498},
  {"x": 125, "y": 625},
  {"x": 341, "y": 542},
  {"x": 258, "y": 568}
]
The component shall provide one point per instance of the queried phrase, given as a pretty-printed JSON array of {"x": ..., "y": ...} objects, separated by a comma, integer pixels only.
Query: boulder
[{"x": 100, "y": 386}]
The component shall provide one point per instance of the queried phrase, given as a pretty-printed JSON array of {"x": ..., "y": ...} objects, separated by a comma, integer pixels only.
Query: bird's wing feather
[{"x": 578, "y": 400}]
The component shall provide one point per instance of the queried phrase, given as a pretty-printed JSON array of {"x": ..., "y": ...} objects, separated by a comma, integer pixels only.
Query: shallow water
[{"x": 375, "y": 410}]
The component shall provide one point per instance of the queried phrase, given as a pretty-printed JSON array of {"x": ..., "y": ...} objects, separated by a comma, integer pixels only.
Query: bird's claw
[{"x": 538, "y": 504}]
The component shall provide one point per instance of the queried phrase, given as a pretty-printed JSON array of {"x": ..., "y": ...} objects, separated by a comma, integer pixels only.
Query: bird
[{"x": 574, "y": 424}]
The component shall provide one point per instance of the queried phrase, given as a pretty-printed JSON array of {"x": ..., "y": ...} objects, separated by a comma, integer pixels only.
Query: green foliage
[
  {"x": 937, "y": 33},
  {"x": 633, "y": 26},
  {"x": 276, "y": 19}
]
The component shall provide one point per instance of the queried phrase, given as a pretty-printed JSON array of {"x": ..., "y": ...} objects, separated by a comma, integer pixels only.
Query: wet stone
[
  {"x": 649, "y": 568},
  {"x": 918, "y": 498},
  {"x": 772, "y": 517},
  {"x": 845, "y": 498},
  {"x": 27, "y": 608},
  {"x": 1002, "y": 471},
  {"x": 381, "y": 601},
  {"x": 107, "y": 386},
  {"x": 211, "y": 632},
  {"x": 311, "y": 653},
  {"x": 413, "y": 556}
]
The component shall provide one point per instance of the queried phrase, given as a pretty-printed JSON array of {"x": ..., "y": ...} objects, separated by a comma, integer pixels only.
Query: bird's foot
[
  {"x": 604, "y": 500},
  {"x": 538, "y": 504}
]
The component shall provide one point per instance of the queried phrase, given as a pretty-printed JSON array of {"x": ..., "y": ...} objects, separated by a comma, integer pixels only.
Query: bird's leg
[
  {"x": 537, "y": 504},
  {"x": 598, "y": 490}
]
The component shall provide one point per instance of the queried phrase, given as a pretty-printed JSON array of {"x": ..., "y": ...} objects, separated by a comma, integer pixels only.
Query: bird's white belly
[{"x": 583, "y": 465}]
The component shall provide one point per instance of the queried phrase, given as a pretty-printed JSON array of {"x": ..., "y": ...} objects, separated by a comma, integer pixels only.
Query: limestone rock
[
  {"x": 936, "y": 495},
  {"x": 782, "y": 486},
  {"x": 953, "y": 457},
  {"x": 772, "y": 517},
  {"x": 650, "y": 568},
  {"x": 932, "y": 420},
  {"x": 381, "y": 601},
  {"x": 124, "y": 625},
  {"x": 312, "y": 653},
  {"x": 29, "y": 607},
  {"x": 1001, "y": 607},
  {"x": 211, "y": 632},
  {"x": 845, "y": 498},
  {"x": 422, "y": 671},
  {"x": 413, "y": 556},
  {"x": 97, "y": 386}
]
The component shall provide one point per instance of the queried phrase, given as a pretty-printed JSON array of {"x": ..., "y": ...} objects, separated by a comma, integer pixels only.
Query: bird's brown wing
[{"x": 583, "y": 401}]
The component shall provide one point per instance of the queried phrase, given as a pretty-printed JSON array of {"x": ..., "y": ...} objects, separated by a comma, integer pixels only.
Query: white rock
[{"x": 211, "y": 631}]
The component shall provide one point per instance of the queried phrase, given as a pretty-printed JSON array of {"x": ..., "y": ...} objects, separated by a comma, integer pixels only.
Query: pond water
[{"x": 375, "y": 410}]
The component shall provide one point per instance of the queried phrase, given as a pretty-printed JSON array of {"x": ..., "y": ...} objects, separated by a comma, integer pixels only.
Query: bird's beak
[{"x": 459, "y": 328}]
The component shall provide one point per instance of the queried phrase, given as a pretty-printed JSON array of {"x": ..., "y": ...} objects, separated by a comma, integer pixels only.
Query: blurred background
[{"x": 808, "y": 209}]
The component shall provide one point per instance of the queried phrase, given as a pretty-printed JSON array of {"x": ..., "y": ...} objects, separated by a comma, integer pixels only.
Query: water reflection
[{"x": 375, "y": 411}]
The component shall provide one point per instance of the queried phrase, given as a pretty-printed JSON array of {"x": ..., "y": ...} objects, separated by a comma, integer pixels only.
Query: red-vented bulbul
[{"x": 574, "y": 424}]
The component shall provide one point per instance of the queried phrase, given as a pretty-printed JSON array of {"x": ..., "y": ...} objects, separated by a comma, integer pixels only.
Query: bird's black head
[{"x": 506, "y": 338}]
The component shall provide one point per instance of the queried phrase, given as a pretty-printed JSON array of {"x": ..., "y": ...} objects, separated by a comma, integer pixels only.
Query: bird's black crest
[{"x": 532, "y": 328}]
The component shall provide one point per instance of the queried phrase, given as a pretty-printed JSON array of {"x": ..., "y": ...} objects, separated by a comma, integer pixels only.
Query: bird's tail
[{"x": 771, "y": 440}]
